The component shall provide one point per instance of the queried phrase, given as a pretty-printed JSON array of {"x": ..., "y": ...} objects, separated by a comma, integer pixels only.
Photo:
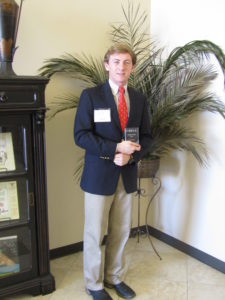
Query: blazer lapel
[
  {"x": 111, "y": 103},
  {"x": 132, "y": 108}
]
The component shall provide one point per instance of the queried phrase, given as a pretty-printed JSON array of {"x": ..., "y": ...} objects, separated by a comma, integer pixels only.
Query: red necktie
[{"x": 122, "y": 109}]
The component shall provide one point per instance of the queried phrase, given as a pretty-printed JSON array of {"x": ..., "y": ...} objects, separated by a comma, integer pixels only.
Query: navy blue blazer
[{"x": 99, "y": 139}]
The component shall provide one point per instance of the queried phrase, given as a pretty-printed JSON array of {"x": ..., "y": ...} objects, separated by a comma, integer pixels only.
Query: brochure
[
  {"x": 9, "y": 208},
  {"x": 7, "y": 160}
]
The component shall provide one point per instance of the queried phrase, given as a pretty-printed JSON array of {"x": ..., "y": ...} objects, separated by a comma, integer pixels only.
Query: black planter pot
[{"x": 148, "y": 168}]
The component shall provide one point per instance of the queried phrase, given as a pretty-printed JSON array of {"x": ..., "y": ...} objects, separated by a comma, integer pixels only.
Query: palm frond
[
  {"x": 78, "y": 171},
  {"x": 131, "y": 31},
  {"x": 86, "y": 68},
  {"x": 62, "y": 103},
  {"x": 197, "y": 48},
  {"x": 178, "y": 137},
  {"x": 175, "y": 87}
]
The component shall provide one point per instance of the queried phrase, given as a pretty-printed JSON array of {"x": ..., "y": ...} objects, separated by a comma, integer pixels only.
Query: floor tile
[
  {"x": 199, "y": 291},
  {"x": 171, "y": 267},
  {"x": 176, "y": 277},
  {"x": 199, "y": 272},
  {"x": 160, "y": 247}
]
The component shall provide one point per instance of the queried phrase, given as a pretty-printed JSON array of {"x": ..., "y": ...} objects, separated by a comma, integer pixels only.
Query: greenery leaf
[{"x": 176, "y": 86}]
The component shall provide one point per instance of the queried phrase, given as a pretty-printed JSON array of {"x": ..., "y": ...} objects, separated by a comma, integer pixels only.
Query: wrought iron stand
[{"x": 141, "y": 192}]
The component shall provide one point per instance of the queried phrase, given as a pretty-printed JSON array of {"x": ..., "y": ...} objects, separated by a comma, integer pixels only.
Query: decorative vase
[
  {"x": 9, "y": 22},
  {"x": 148, "y": 168}
]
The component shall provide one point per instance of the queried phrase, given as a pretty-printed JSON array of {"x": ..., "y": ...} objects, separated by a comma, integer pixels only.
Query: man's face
[{"x": 119, "y": 67}]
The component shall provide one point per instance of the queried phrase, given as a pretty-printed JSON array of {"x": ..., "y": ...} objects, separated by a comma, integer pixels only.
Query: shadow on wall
[
  {"x": 164, "y": 203},
  {"x": 204, "y": 185},
  {"x": 183, "y": 208},
  {"x": 190, "y": 204}
]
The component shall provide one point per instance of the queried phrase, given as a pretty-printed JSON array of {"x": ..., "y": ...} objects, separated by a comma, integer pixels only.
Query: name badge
[{"x": 102, "y": 115}]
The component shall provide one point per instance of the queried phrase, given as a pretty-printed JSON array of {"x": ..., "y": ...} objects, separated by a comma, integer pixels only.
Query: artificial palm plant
[{"x": 175, "y": 86}]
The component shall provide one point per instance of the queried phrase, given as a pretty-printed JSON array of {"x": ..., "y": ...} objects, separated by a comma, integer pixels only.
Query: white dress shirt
[{"x": 115, "y": 92}]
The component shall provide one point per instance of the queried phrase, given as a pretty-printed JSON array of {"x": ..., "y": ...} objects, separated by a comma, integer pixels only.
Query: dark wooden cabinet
[{"x": 24, "y": 242}]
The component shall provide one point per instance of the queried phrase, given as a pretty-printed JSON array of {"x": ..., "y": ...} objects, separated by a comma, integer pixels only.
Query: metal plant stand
[
  {"x": 141, "y": 192},
  {"x": 157, "y": 182}
]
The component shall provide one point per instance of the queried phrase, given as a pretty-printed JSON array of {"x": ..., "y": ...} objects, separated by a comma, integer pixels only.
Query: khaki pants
[{"x": 102, "y": 213}]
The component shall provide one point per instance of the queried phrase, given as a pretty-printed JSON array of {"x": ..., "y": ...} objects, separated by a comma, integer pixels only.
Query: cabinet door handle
[
  {"x": 3, "y": 97},
  {"x": 31, "y": 199}
]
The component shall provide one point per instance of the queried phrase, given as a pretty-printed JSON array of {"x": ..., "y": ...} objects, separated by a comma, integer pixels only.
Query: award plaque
[{"x": 131, "y": 134}]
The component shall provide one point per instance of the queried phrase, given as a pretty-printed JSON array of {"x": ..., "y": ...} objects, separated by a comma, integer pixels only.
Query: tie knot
[{"x": 121, "y": 90}]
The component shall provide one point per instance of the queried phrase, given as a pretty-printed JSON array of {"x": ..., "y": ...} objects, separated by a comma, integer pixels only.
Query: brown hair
[{"x": 120, "y": 48}]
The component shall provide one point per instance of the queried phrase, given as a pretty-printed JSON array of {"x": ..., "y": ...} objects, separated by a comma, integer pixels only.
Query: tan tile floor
[{"x": 176, "y": 277}]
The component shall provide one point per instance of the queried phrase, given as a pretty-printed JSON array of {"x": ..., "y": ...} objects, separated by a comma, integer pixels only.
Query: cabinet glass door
[
  {"x": 15, "y": 252},
  {"x": 18, "y": 253},
  {"x": 16, "y": 178}
]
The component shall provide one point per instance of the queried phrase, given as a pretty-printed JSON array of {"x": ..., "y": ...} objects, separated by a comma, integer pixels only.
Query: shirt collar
[{"x": 115, "y": 87}]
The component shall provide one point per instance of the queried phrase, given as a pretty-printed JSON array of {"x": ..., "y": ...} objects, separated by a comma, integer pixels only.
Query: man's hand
[
  {"x": 121, "y": 159},
  {"x": 127, "y": 147}
]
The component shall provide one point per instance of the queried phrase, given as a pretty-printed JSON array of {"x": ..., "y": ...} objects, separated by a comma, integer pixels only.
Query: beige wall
[
  {"x": 50, "y": 28},
  {"x": 190, "y": 206}
]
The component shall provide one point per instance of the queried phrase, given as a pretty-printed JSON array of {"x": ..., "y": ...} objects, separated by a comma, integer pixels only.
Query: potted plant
[{"x": 175, "y": 86}]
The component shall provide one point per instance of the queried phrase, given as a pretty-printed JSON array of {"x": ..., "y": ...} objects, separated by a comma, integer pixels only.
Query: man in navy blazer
[{"x": 110, "y": 172}]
